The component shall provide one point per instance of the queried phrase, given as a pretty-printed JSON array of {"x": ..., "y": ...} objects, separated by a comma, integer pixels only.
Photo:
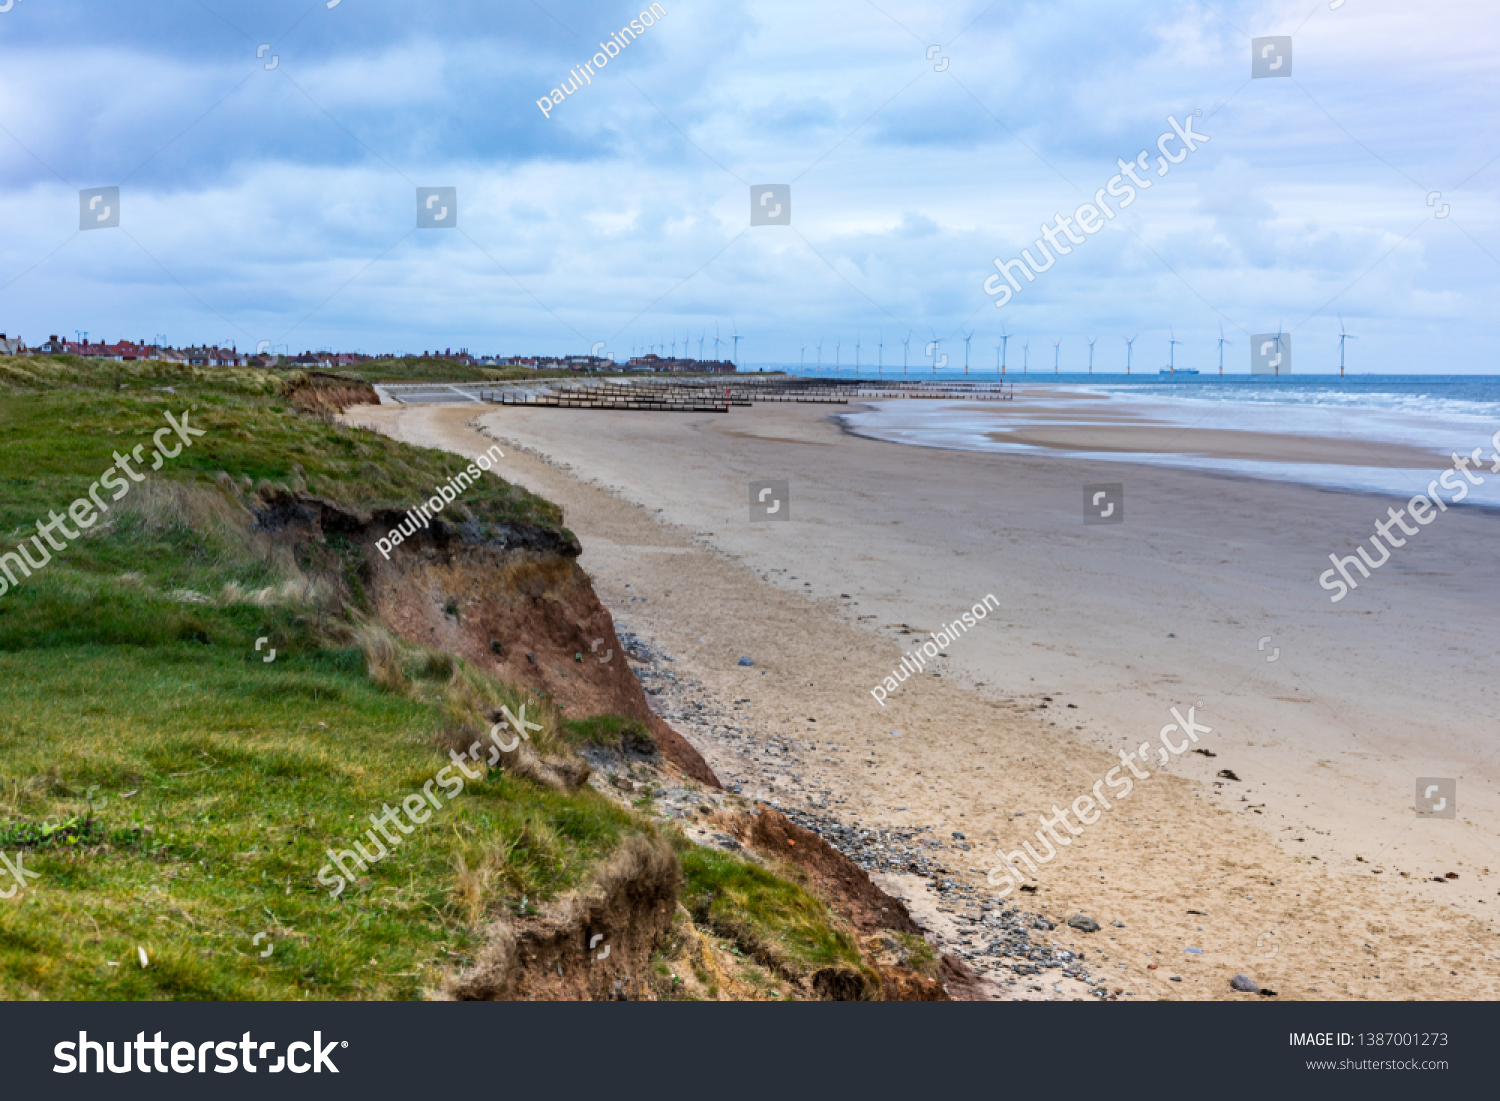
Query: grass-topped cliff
[{"x": 174, "y": 792}]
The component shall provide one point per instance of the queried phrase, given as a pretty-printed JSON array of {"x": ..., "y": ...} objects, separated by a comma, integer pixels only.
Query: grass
[
  {"x": 441, "y": 370},
  {"x": 56, "y": 440},
  {"x": 36, "y": 373},
  {"x": 921, "y": 956},
  {"x": 773, "y": 920},
  {"x": 176, "y": 793},
  {"x": 218, "y": 783},
  {"x": 613, "y": 731}
]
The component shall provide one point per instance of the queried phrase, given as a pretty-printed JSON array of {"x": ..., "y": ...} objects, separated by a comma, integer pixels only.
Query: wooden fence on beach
[{"x": 684, "y": 396}]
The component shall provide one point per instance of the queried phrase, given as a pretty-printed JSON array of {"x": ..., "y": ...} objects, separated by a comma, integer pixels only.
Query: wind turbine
[
  {"x": 801, "y": 356},
  {"x": 880, "y": 361},
  {"x": 937, "y": 346},
  {"x": 966, "y": 350},
  {"x": 820, "y": 355},
  {"x": 836, "y": 347},
  {"x": 1026, "y": 355},
  {"x": 736, "y": 337},
  {"x": 1172, "y": 352},
  {"x": 1004, "y": 340},
  {"x": 1128, "y": 350},
  {"x": 1056, "y": 353},
  {"x": 1091, "y": 355},
  {"x": 674, "y": 345},
  {"x": 701, "y": 338},
  {"x": 1343, "y": 336},
  {"x": 716, "y": 340},
  {"x": 905, "y": 344},
  {"x": 1223, "y": 342},
  {"x": 856, "y": 353}
]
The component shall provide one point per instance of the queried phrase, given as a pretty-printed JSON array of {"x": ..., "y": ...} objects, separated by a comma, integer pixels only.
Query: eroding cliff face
[
  {"x": 592, "y": 944},
  {"x": 512, "y": 600},
  {"x": 509, "y": 599}
]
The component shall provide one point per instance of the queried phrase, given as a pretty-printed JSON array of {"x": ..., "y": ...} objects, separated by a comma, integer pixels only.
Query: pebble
[
  {"x": 1083, "y": 923},
  {"x": 995, "y": 940},
  {"x": 1244, "y": 983}
]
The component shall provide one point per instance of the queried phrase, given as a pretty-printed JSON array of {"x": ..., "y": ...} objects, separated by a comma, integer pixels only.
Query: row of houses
[
  {"x": 125, "y": 351},
  {"x": 553, "y": 363},
  {"x": 200, "y": 355},
  {"x": 206, "y": 355}
]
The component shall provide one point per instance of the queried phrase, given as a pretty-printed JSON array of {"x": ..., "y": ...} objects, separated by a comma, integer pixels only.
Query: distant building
[
  {"x": 554, "y": 363},
  {"x": 207, "y": 356},
  {"x": 653, "y": 362},
  {"x": 122, "y": 351},
  {"x": 12, "y": 346}
]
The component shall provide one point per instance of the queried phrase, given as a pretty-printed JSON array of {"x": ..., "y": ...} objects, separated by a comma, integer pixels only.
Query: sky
[{"x": 269, "y": 156}]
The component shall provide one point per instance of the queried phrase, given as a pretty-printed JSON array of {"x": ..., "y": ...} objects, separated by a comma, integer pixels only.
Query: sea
[{"x": 1441, "y": 414}]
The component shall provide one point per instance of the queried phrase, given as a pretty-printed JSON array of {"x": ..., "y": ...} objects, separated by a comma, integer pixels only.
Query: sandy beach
[{"x": 1305, "y": 867}]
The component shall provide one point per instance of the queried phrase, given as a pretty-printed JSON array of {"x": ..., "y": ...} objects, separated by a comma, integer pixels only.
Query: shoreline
[
  {"x": 1306, "y": 446},
  {"x": 958, "y": 728}
]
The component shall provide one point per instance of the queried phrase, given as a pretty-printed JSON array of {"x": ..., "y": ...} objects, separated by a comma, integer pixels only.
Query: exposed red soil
[
  {"x": 532, "y": 619},
  {"x": 840, "y": 882},
  {"x": 850, "y": 893}
]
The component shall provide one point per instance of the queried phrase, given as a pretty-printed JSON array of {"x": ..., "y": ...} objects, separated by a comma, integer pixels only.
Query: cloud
[{"x": 280, "y": 204}]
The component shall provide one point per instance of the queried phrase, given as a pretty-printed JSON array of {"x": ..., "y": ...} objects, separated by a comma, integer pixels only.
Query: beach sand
[{"x": 1310, "y": 872}]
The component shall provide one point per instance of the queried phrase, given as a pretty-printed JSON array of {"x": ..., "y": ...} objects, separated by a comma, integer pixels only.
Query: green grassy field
[
  {"x": 199, "y": 786},
  {"x": 441, "y": 370}
]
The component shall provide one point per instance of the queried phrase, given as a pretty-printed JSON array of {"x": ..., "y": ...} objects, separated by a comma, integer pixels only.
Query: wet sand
[{"x": 1310, "y": 871}]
